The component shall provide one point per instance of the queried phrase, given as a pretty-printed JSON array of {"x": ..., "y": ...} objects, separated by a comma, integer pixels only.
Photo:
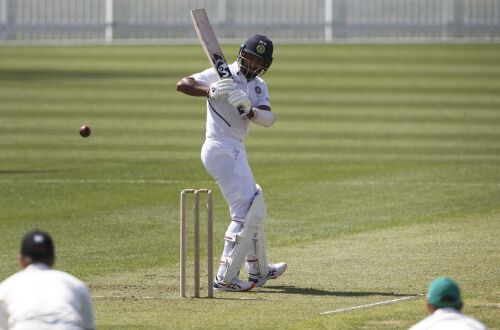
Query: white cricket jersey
[
  {"x": 42, "y": 298},
  {"x": 223, "y": 120},
  {"x": 448, "y": 319}
]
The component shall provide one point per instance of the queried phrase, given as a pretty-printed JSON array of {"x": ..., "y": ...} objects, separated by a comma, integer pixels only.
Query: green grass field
[{"x": 381, "y": 173}]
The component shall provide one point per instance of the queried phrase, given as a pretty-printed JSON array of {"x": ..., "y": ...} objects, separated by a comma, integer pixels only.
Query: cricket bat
[{"x": 210, "y": 44}]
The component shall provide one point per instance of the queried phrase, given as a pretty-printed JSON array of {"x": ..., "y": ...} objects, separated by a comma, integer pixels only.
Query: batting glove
[
  {"x": 221, "y": 87},
  {"x": 240, "y": 100}
]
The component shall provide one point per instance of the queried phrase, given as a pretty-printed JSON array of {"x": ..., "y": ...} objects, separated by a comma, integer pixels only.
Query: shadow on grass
[
  {"x": 27, "y": 171},
  {"x": 316, "y": 292},
  {"x": 62, "y": 74}
]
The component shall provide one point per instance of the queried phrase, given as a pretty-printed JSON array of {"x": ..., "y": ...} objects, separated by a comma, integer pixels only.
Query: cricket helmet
[{"x": 261, "y": 47}]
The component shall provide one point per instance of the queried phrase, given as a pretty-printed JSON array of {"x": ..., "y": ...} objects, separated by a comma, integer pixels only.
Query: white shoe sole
[
  {"x": 263, "y": 281},
  {"x": 231, "y": 288}
]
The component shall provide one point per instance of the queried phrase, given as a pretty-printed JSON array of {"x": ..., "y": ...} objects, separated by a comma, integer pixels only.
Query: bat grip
[{"x": 240, "y": 110}]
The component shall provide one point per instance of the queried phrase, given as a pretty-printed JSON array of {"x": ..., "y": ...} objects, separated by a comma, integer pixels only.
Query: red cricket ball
[{"x": 84, "y": 131}]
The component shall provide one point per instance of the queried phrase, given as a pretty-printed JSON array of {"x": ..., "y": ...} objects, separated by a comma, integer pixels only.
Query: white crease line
[
  {"x": 416, "y": 183},
  {"x": 127, "y": 297},
  {"x": 370, "y": 305},
  {"x": 352, "y": 183},
  {"x": 95, "y": 181},
  {"x": 160, "y": 298}
]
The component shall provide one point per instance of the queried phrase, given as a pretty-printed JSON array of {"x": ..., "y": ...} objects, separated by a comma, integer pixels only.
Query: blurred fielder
[
  {"x": 231, "y": 105},
  {"x": 444, "y": 305},
  {"x": 39, "y": 297}
]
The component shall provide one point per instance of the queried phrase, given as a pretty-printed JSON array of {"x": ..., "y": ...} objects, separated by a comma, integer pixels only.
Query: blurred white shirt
[
  {"x": 42, "y": 298},
  {"x": 448, "y": 319}
]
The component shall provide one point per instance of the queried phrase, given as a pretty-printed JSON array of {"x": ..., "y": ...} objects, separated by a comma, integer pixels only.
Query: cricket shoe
[
  {"x": 236, "y": 285},
  {"x": 275, "y": 270}
]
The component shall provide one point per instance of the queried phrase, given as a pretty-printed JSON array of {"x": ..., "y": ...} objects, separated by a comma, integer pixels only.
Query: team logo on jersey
[
  {"x": 261, "y": 49},
  {"x": 258, "y": 90}
]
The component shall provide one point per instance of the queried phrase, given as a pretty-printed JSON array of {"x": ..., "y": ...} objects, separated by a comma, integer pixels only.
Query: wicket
[{"x": 196, "y": 215}]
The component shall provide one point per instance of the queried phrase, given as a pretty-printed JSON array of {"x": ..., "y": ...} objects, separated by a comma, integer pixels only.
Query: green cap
[{"x": 444, "y": 292}]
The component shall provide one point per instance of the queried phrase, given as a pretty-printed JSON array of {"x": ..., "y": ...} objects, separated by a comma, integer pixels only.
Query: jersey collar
[{"x": 37, "y": 266}]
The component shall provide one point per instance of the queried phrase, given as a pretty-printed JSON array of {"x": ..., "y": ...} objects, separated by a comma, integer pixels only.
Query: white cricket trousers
[{"x": 226, "y": 161}]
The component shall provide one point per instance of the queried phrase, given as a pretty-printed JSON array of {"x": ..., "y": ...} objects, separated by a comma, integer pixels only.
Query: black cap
[{"x": 37, "y": 245}]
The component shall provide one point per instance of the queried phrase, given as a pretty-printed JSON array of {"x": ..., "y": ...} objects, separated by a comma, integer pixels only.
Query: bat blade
[{"x": 209, "y": 42}]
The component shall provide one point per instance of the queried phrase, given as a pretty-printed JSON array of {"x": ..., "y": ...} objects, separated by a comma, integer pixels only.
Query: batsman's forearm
[
  {"x": 191, "y": 87},
  {"x": 263, "y": 117}
]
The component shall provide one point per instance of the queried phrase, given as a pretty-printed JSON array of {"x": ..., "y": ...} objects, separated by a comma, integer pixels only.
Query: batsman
[{"x": 232, "y": 104}]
